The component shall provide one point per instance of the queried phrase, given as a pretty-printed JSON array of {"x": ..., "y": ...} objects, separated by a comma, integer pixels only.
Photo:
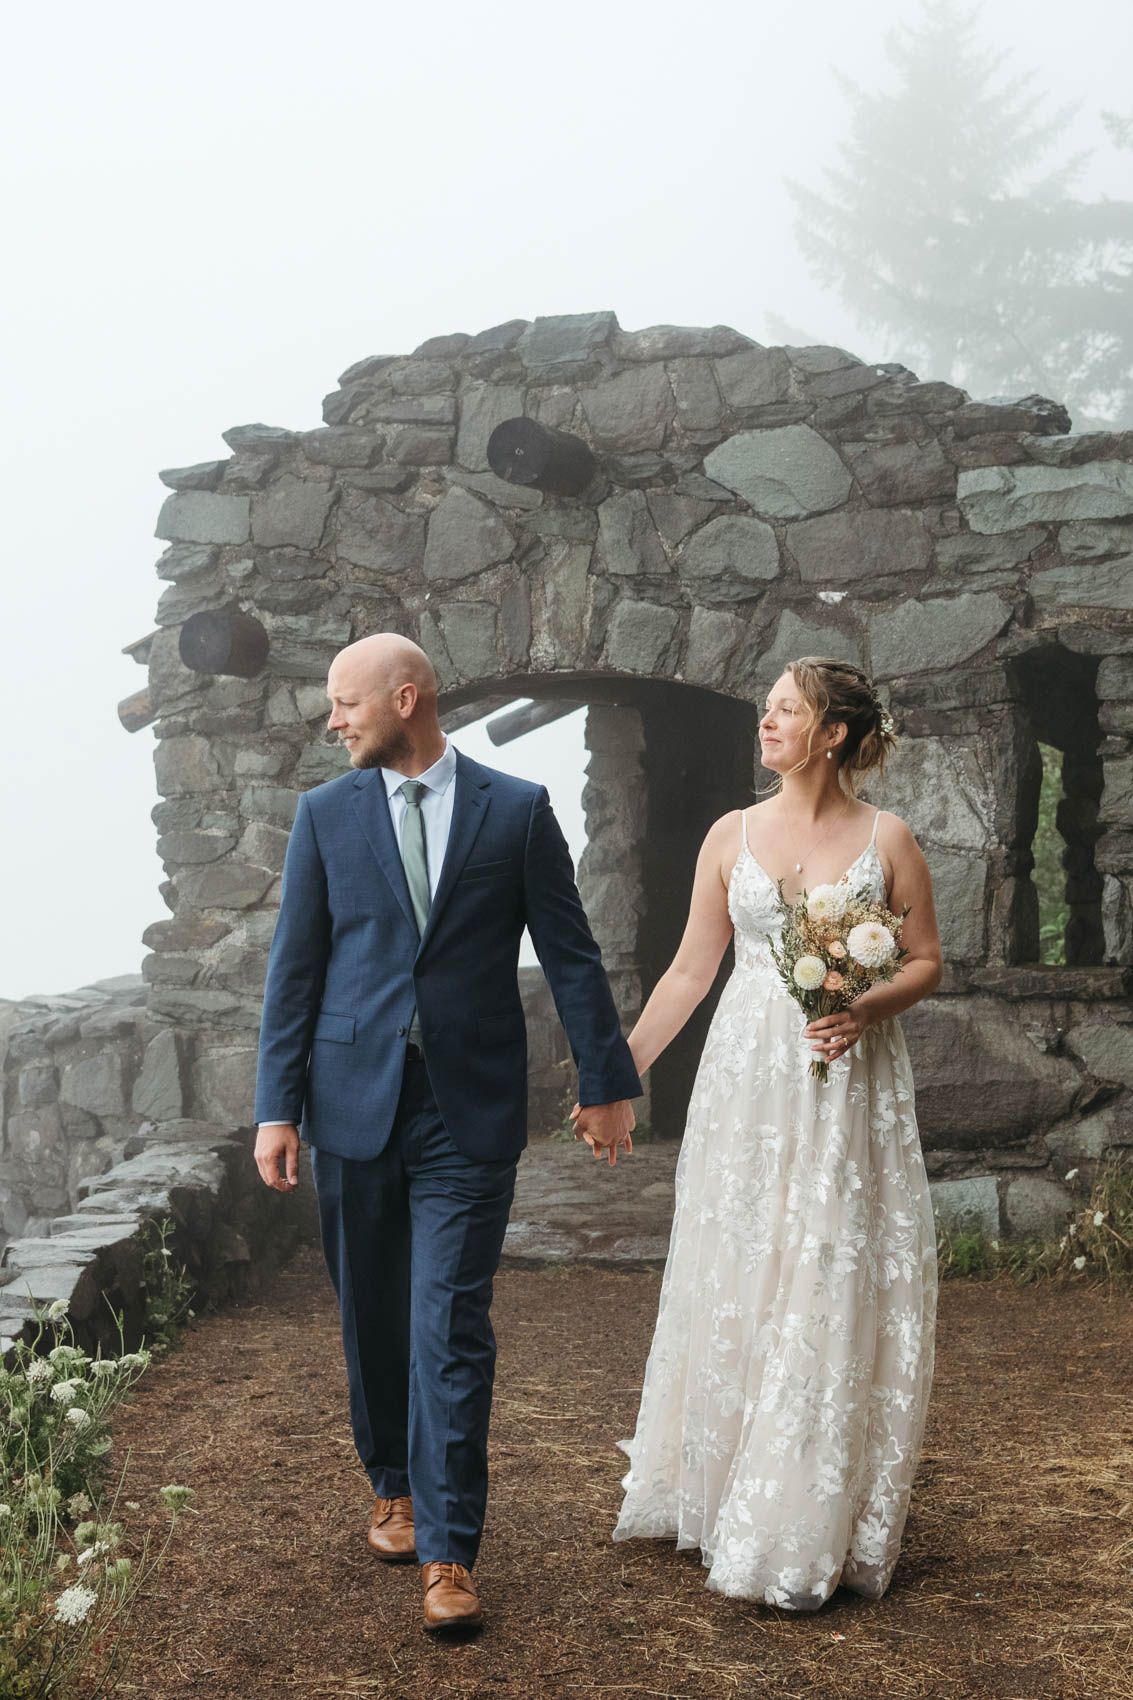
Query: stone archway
[
  {"x": 664, "y": 761},
  {"x": 749, "y": 504}
]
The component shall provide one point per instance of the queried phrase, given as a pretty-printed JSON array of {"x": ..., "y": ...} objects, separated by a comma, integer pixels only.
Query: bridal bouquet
[{"x": 835, "y": 945}]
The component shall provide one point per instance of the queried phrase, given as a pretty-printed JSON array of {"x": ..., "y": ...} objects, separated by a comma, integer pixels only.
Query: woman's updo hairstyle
[{"x": 837, "y": 690}]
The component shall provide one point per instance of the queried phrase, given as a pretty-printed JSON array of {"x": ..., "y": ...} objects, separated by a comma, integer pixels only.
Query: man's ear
[{"x": 407, "y": 701}]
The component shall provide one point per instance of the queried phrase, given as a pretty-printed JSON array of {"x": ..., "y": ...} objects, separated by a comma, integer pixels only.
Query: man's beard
[{"x": 390, "y": 748}]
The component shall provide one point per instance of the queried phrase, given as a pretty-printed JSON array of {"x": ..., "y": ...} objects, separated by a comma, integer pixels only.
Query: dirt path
[{"x": 1016, "y": 1579}]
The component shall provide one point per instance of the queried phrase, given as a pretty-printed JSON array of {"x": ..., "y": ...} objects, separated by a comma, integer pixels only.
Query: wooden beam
[
  {"x": 521, "y": 451},
  {"x": 219, "y": 640},
  {"x": 137, "y": 711},
  {"x": 526, "y": 718},
  {"x": 457, "y": 718}
]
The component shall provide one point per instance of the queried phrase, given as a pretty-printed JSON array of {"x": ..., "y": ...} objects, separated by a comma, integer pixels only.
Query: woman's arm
[
  {"x": 693, "y": 969},
  {"x": 920, "y": 970}
]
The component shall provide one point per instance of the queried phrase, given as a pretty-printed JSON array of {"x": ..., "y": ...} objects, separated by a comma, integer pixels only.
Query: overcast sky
[{"x": 212, "y": 210}]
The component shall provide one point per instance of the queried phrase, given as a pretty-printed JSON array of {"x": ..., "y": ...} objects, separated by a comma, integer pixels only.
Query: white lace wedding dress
[{"x": 785, "y": 1393}]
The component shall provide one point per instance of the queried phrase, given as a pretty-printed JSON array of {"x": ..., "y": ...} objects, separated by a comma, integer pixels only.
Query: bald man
[{"x": 393, "y": 1035}]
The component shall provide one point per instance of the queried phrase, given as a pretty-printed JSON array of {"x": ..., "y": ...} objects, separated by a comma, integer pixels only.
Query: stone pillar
[{"x": 1077, "y": 820}]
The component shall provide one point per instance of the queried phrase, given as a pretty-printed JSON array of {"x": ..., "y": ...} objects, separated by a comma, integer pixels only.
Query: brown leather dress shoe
[
  {"x": 391, "y": 1534},
  {"x": 451, "y": 1600}
]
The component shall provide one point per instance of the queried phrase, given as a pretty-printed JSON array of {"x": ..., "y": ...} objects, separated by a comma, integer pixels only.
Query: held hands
[
  {"x": 832, "y": 1035},
  {"x": 275, "y": 1145},
  {"x": 606, "y": 1128}
]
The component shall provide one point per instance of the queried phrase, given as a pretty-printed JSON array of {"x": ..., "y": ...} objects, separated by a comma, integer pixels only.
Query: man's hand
[
  {"x": 606, "y": 1128},
  {"x": 273, "y": 1145}
]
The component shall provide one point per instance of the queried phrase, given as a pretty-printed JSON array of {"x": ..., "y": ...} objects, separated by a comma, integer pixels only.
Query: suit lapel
[
  {"x": 372, "y": 808},
  {"x": 469, "y": 809}
]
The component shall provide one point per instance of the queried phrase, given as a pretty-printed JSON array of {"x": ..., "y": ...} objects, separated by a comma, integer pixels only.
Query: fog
[{"x": 212, "y": 211}]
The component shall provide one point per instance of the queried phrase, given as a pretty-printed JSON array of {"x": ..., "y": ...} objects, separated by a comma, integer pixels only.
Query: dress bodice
[{"x": 753, "y": 900}]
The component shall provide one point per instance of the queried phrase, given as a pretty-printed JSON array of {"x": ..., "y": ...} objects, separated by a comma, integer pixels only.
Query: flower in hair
[{"x": 886, "y": 722}]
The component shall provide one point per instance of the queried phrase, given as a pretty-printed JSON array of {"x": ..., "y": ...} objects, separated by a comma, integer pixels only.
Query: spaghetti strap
[
  {"x": 873, "y": 834},
  {"x": 743, "y": 829}
]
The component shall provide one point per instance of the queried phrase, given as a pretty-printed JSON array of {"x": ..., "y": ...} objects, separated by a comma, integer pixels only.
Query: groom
[{"x": 394, "y": 1034}]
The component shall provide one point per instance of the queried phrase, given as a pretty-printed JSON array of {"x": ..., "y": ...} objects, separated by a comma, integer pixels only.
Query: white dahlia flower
[
  {"x": 826, "y": 903},
  {"x": 871, "y": 944},
  {"x": 809, "y": 972}
]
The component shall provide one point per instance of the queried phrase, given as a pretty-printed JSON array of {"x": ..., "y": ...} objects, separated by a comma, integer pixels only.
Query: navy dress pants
[{"x": 412, "y": 1239}]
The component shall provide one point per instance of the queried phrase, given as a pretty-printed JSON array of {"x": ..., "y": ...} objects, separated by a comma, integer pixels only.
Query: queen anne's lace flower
[
  {"x": 826, "y": 903},
  {"x": 57, "y": 1310},
  {"x": 871, "y": 944},
  {"x": 64, "y": 1392},
  {"x": 809, "y": 972},
  {"x": 78, "y": 1418},
  {"x": 74, "y": 1604},
  {"x": 38, "y": 1370}
]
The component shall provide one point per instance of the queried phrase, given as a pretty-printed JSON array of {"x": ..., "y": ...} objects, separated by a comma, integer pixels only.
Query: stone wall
[
  {"x": 751, "y": 504},
  {"x": 71, "y": 1097}
]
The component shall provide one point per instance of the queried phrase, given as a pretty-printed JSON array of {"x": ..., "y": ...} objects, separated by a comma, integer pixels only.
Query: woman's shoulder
[{"x": 893, "y": 832}]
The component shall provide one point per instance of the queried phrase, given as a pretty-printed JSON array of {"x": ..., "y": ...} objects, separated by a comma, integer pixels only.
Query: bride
[{"x": 785, "y": 1392}]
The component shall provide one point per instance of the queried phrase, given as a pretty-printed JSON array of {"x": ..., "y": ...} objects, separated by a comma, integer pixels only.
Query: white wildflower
[
  {"x": 5, "y": 1511},
  {"x": 38, "y": 1370},
  {"x": 64, "y": 1391},
  {"x": 104, "y": 1366},
  {"x": 871, "y": 944},
  {"x": 78, "y": 1505},
  {"x": 176, "y": 1497},
  {"x": 58, "y": 1310},
  {"x": 74, "y": 1604},
  {"x": 1079, "y": 1263},
  {"x": 809, "y": 972},
  {"x": 95, "y": 1551},
  {"x": 826, "y": 903},
  {"x": 78, "y": 1418},
  {"x": 1099, "y": 1218},
  {"x": 1071, "y": 1174}
]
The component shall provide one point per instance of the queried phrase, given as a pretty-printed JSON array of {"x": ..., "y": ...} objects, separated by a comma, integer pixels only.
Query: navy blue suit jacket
[{"x": 347, "y": 966}]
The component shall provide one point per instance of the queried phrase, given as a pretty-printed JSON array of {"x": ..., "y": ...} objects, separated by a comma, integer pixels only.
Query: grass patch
[{"x": 1097, "y": 1244}]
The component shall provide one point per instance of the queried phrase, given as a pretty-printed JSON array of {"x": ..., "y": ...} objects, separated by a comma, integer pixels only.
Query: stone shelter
[{"x": 738, "y": 505}]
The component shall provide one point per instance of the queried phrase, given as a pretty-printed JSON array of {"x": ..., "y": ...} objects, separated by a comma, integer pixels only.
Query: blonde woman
[{"x": 784, "y": 1397}]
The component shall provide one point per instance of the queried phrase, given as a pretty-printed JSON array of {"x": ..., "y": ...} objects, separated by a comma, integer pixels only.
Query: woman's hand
[{"x": 832, "y": 1035}]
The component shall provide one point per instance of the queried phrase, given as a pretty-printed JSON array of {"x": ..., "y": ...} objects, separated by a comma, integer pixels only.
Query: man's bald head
[
  {"x": 384, "y": 661},
  {"x": 383, "y": 693}
]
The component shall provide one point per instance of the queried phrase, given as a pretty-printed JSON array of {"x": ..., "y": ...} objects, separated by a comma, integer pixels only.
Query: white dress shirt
[{"x": 436, "y": 816}]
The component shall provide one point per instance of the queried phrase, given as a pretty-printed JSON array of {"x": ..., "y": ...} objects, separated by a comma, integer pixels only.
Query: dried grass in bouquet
[{"x": 835, "y": 944}]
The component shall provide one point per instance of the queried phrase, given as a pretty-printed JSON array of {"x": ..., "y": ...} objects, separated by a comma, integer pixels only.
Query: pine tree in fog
[{"x": 948, "y": 231}]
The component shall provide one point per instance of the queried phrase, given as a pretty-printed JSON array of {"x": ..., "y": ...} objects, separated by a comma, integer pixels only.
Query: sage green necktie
[
  {"x": 413, "y": 851},
  {"x": 416, "y": 869}
]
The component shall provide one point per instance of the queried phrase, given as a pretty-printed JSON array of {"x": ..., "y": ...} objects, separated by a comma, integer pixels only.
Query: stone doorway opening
[{"x": 664, "y": 760}]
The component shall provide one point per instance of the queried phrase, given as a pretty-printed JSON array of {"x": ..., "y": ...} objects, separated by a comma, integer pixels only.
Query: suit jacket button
[{"x": 402, "y": 1031}]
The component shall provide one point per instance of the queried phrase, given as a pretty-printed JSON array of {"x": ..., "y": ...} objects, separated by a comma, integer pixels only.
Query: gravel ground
[{"x": 1016, "y": 1579}]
